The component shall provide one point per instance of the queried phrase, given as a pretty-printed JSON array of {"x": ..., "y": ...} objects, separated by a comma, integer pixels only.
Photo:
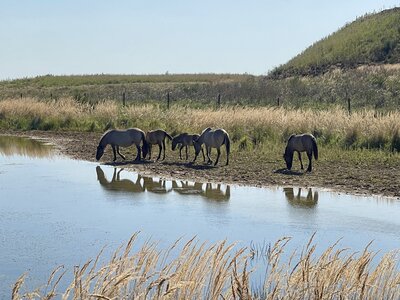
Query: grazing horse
[
  {"x": 215, "y": 139},
  {"x": 157, "y": 137},
  {"x": 301, "y": 143},
  {"x": 185, "y": 140},
  {"x": 122, "y": 138}
]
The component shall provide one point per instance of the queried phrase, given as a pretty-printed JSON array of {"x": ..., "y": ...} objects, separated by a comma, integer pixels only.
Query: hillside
[{"x": 371, "y": 39}]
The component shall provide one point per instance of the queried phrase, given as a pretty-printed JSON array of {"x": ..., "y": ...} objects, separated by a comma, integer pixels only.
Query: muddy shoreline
[{"x": 244, "y": 169}]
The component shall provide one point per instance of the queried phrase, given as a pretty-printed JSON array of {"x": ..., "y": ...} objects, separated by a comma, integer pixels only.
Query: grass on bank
[
  {"x": 249, "y": 128},
  {"x": 221, "y": 271}
]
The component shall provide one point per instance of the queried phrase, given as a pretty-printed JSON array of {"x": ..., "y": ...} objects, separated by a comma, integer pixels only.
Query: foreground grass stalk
[{"x": 220, "y": 271}]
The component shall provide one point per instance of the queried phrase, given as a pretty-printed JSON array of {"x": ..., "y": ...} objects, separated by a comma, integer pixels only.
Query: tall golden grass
[
  {"x": 363, "y": 128},
  {"x": 221, "y": 271}
]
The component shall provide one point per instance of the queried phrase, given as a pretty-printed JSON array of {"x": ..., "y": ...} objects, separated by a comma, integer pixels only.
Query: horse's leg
[
  {"x": 114, "y": 175},
  {"x": 159, "y": 151},
  {"x": 115, "y": 154},
  {"x": 138, "y": 156},
  {"x": 309, "y": 154},
  {"x": 218, "y": 154},
  {"x": 163, "y": 143},
  {"x": 301, "y": 163},
  {"x": 187, "y": 152},
  {"x": 149, "y": 152},
  {"x": 119, "y": 175},
  {"x": 208, "y": 154},
  {"x": 123, "y": 157},
  {"x": 202, "y": 151},
  {"x": 196, "y": 153},
  {"x": 180, "y": 151}
]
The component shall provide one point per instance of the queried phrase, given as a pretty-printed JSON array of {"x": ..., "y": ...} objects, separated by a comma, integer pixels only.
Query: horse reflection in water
[
  {"x": 211, "y": 192},
  {"x": 118, "y": 184},
  {"x": 298, "y": 200},
  {"x": 155, "y": 186},
  {"x": 184, "y": 188},
  {"x": 217, "y": 193}
]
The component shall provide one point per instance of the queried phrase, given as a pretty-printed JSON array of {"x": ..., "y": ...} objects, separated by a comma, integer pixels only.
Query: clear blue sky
[{"x": 179, "y": 36}]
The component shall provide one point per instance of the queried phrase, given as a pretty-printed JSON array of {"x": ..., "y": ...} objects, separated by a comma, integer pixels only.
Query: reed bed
[
  {"x": 220, "y": 271},
  {"x": 361, "y": 129}
]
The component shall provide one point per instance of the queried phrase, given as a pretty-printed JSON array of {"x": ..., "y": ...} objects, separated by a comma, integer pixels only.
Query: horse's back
[
  {"x": 301, "y": 142},
  {"x": 215, "y": 138},
  {"x": 125, "y": 138},
  {"x": 156, "y": 136}
]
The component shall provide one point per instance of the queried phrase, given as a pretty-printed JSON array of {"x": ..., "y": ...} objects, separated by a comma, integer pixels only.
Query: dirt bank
[{"x": 247, "y": 168}]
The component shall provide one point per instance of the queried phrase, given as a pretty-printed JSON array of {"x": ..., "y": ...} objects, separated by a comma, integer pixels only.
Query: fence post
[
  {"x": 123, "y": 98},
  {"x": 168, "y": 100},
  {"x": 348, "y": 103},
  {"x": 219, "y": 100}
]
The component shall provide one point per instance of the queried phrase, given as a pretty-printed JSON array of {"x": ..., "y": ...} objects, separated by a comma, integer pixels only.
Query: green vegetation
[
  {"x": 369, "y": 87},
  {"x": 248, "y": 127},
  {"x": 371, "y": 39}
]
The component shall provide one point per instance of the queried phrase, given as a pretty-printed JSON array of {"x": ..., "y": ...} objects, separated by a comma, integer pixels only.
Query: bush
[
  {"x": 351, "y": 138},
  {"x": 395, "y": 142}
]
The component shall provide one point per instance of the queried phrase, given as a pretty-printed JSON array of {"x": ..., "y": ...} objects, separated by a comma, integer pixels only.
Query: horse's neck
[{"x": 103, "y": 141}]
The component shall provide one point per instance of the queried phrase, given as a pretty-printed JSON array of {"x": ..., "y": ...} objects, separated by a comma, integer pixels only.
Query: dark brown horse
[
  {"x": 301, "y": 143},
  {"x": 157, "y": 137}
]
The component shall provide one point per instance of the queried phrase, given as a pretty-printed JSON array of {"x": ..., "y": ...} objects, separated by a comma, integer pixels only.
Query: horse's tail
[
  {"x": 315, "y": 148},
  {"x": 168, "y": 136},
  {"x": 144, "y": 140},
  {"x": 227, "y": 142}
]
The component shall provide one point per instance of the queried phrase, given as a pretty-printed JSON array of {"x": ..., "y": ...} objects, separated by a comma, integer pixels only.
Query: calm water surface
[{"x": 55, "y": 210}]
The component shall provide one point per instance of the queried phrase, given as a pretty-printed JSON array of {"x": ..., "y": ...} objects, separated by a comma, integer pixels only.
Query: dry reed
[
  {"x": 364, "y": 129},
  {"x": 220, "y": 271}
]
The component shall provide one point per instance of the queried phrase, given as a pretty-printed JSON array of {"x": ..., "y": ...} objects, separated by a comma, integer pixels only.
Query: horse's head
[
  {"x": 99, "y": 152},
  {"x": 145, "y": 149},
  {"x": 288, "y": 156},
  {"x": 174, "y": 143},
  {"x": 197, "y": 147}
]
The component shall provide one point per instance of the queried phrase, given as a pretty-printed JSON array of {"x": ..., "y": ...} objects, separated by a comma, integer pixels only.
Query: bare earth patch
[{"x": 246, "y": 168}]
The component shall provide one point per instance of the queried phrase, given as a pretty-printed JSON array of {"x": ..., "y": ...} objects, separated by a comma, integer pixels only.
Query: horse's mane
[
  {"x": 207, "y": 129},
  {"x": 103, "y": 136},
  {"x": 292, "y": 136}
]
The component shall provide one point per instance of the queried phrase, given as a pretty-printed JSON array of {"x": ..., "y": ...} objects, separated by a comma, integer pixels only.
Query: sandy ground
[{"x": 252, "y": 169}]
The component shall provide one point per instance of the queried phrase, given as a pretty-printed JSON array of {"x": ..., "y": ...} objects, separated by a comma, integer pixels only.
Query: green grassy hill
[
  {"x": 337, "y": 79},
  {"x": 371, "y": 39}
]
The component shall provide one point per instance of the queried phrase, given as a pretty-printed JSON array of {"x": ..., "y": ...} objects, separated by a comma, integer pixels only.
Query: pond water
[{"x": 54, "y": 211}]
